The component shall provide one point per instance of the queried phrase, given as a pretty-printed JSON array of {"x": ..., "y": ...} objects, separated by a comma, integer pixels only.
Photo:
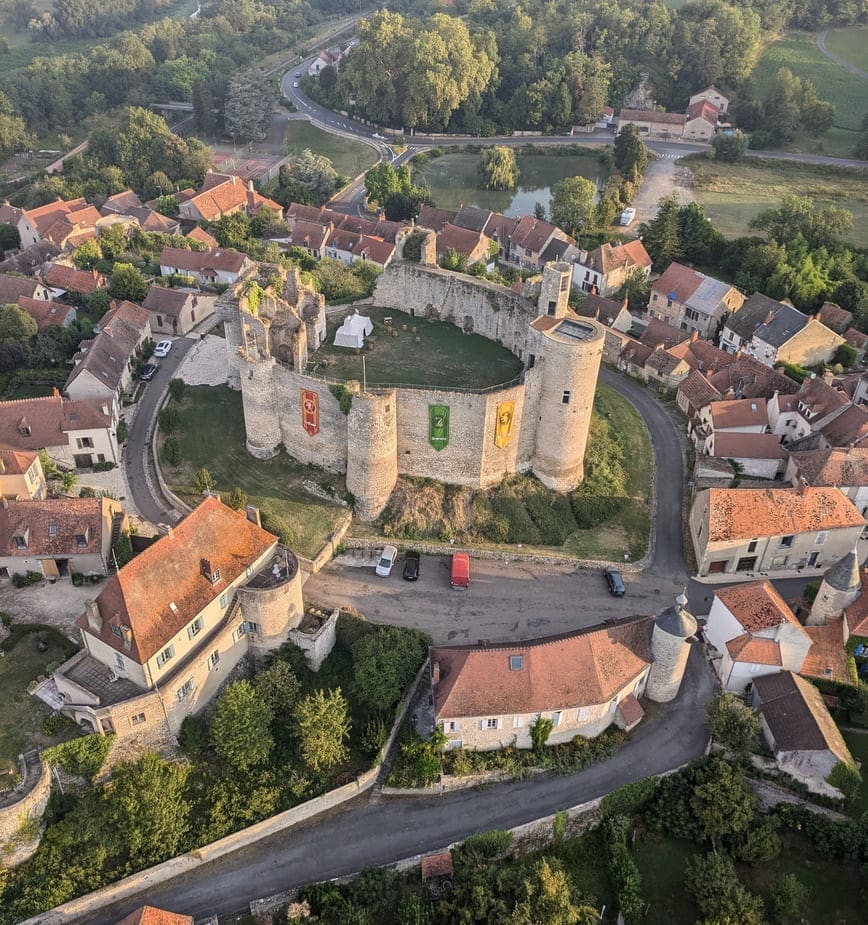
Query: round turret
[
  {"x": 272, "y": 600},
  {"x": 372, "y": 451},
  {"x": 554, "y": 296},
  {"x": 670, "y": 649},
  {"x": 841, "y": 585},
  {"x": 261, "y": 422}
]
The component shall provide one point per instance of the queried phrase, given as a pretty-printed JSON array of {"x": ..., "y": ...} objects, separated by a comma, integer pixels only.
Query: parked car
[
  {"x": 460, "y": 577},
  {"x": 412, "y": 560},
  {"x": 615, "y": 581},
  {"x": 378, "y": 135},
  {"x": 298, "y": 74},
  {"x": 162, "y": 349},
  {"x": 148, "y": 371},
  {"x": 627, "y": 216},
  {"x": 387, "y": 560},
  {"x": 295, "y": 84}
]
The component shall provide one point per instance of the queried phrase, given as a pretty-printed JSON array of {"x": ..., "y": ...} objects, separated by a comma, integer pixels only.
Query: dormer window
[
  {"x": 52, "y": 529},
  {"x": 209, "y": 571},
  {"x": 21, "y": 539},
  {"x": 81, "y": 540},
  {"x": 24, "y": 427}
]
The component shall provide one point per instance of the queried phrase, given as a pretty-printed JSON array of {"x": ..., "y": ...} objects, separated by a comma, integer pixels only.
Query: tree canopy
[
  {"x": 498, "y": 168},
  {"x": 572, "y": 204}
]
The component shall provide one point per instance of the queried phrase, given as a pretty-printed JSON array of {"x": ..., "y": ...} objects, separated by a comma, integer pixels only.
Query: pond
[{"x": 454, "y": 181}]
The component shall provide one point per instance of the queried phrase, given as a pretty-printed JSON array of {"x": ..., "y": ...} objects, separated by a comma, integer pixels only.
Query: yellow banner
[{"x": 503, "y": 425}]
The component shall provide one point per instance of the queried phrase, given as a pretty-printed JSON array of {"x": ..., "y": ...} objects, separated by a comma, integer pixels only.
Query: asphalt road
[{"x": 370, "y": 833}]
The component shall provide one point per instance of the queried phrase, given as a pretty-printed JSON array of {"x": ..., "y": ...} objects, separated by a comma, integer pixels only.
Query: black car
[
  {"x": 614, "y": 581},
  {"x": 411, "y": 565},
  {"x": 148, "y": 372}
]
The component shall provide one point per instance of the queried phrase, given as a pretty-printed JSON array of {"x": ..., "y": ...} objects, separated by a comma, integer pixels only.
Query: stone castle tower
[
  {"x": 372, "y": 451},
  {"x": 670, "y": 649},
  {"x": 841, "y": 585}
]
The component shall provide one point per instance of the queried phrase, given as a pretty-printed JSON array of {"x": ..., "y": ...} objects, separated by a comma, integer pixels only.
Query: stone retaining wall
[{"x": 29, "y": 803}]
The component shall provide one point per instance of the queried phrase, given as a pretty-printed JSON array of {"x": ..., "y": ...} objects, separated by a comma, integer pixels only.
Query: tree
[
  {"x": 322, "y": 724},
  {"x": 846, "y": 355},
  {"x": 799, "y": 215},
  {"x": 721, "y": 898},
  {"x": 249, "y": 104},
  {"x": 733, "y": 724},
  {"x": 16, "y": 326},
  {"x": 572, "y": 204},
  {"x": 700, "y": 241},
  {"x": 169, "y": 419},
  {"x": 631, "y": 155},
  {"x": 308, "y": 178},
  {"x": 176, "y": 390},
  {"x": 278, "y": 688},
  {"x": 203, "y": 480},
  {"x": 723, "y": 804},
  {"x": 818, "y": 117},
  {"x": 788, "y": 898},
  {"x": 86, "y": 256},
  {"x": 204, "y": 105},
  {"x": 384, "y": 663},
  {"x": 729, "y": 146},
  {"x": 237, "y": 499},
  {"x": 241, "y": 727},
  {"x": 661, "y": 235},
  {"x": 128, "y": 282},
  {"x": 233, "y": 230},
  {"x": 123, "y": 549},
  {"x": 171, "y": 451},
  {"x": 550, "y": 898},
  {"x": 497, "y": 168}
]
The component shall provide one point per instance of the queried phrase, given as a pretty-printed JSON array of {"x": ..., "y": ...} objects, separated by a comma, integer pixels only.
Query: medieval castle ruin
[{"x": 538, "y": 423}]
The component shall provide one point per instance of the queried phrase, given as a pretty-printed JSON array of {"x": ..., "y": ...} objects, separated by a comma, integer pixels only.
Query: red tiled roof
[
  {"x": 850, "y": 426},
  {"x": 49, "y": 420},
  {"x": 833, "y": 467},
  {"x": 225, "y": 193},
  {"x": 46, "y": 314},
  {"x": 532, "y": 234},
  {"x": 150, "y": 915},
  {"x": 742, "y": 412},
  {"x": 827, "y": 657},
  {"x": 120, "y": 202},
  {"x": 749, "y": 378},
  {"x": 698, "y": 390},
  {"x": 60, "y": 276},
  {"x": 169, "y": 572},
  {"x": 308, "y": 234},
  {"x": 677, "y": 282},
  {"x": 610, "y": 257},
  {"x": 662, "y": 334},
  {"x": 748, "y": 446},
  {"x": 167, "y": 301},
  {"x": 574, "y": 670},
  {"x": 631, "y": 710},
  {"x": 202, "y": 236},
  {"x": 756, "y": 605},
  {"x": 744, "y": 513},
  {"x": 703, "y": 109},
  {"x": 52, "y": 526},
  {"x": 13, "y": 287},
  {"x": 436, "y": 865},
  {"x": 856, "y": 338},
  {"x": 15, "y": 462},
  {"x": 435, "y": 219},
  {"x": 43, "y": 217},
  {"x": 226, "y": 259},
  {"x": 362, "y": 244},
  {"x": 754, "y": 649},
  {"x": 461, "y": 240}
]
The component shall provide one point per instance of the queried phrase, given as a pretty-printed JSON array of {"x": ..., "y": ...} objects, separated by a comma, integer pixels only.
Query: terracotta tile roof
[
  {"x": 120, "y": 202},
  {"x": 666, "y": 363},
  {"x": 662, "y": 334},
  {"x": 77, "y": 224},
  {"x": 678, "y": 283},
  {"x": 744, "y": 513},
  {"x": 797, "y": 717},
  {"x": 222, "y": 194},
  {"x": 700, "y": 354},
  {"x": 532, "y": 234},
  {"x": 703, "y": 109},
  {"x": 167, "y": 301},
  {"x": 43, "y": 217},
  {"x": 649, "y": 115},
  {"x": 169, "y": 572},
  {"x": 435, "y": 219},
  {"x": 756, "y": 605},
  {"x": 857, "y": 612},
  {"x": 856, "y": 338},
  {"x": 833, "y": 467},
  {"x": 15, "y": 462},
  {"x": 151, "y": 220},
  {"x": 46, "y": 314},
  {"x": 740, "y": 412},
  {"x": 835, "y": 317},
  {"x": 362, "y": 244},
  {"x": 52, "y": 527},
  {"x": 544, "y": 323},
  {"x": 698, "y": 390},
  {"x": 748, "y": 446},
  {"x": 574, "y": 670},
  {"x": 636, "y": 353},
  {"x": 850, "y": 426},
  {"x": 607, "y": 258},
  {"x": 59, "y": 276},
  {"x": 12, "y": 288},
  {"x": 748, "y": 378},
  {"x": 500, "y": 227},
  {"x": 820, "y": 398},
  {"x": 631, "y": 710},
  {"x": 125, "y": 319},
  {"x": 202, "y": 236},
  {"x": 826, "y": 658},
  {"x": 755, "y": 650},
  {"x": 49, "y": 420},
  {"x": 460, "y": 240},
  {"x": 229, "y": 260},
  {"x": 436, "y": 865},
  {"x": 150, "y": 915},
  {"x": 308, "y": 234}
]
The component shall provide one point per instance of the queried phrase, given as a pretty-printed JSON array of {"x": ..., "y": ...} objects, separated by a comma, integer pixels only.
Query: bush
[
  {"x": 788, "y": 898},
  {"x": 832, "y": 838},
  {"x": 847, "y": 779},
  {"x": 169, "y": 419},
  {"x": 176, "y": 389},
  {"x": 715, "y": 886},
  {"x": 623, "y": 868},
  {"x": 23, "y": 580},
  {"x": 761, "y": 842},
  {"x": 540, "y": 731},
  {"x": 171, "y": 451},
  {"x": 56, "y": 723},
  {"x": 629, "y": 799},
  {"x": 488, "y": 844},
  {"x": 846, "y": 356},
  {"x": 81, "y": 757}
]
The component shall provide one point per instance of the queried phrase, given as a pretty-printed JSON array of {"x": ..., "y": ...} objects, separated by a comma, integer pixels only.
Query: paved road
[
  {"x": 821, "y": 44},
  {"x": 367, "y": 834},
  {"x": 136, "y": 453}
]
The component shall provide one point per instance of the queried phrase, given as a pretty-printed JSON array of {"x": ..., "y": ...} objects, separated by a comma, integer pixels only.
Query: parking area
[{"x": 505, "y": 600}]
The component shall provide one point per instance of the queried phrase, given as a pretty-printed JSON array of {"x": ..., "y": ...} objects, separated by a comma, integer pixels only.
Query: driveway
[
  {"x": 663, "y": 178},
  {"x": 366, "y": 834}
]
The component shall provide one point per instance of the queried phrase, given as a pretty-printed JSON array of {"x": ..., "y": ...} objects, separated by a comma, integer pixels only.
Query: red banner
[{"x": 310, "y": 411}]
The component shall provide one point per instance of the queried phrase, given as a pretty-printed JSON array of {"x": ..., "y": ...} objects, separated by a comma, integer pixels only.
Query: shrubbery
[
  {"x": 82, "y": 757},
  {"x": 623, "y": 869}
]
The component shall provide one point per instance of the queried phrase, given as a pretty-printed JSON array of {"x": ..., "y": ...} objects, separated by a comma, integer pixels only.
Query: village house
[
  {"x": 844, "y": 468},
  {"x": 739, "y": 327},
  {"x": 62, "y": 279},
  {"x": 177, "y": 311},
  {"x": 64, "y": 224},
  {"x": 799, "y": 729},
  {"x": 609, "y": 312},
  {"x": 606, "y": 268},
  {"x": 771, "y": 529},
  {"x": 12, "y": 288},
  {"x": 74, "y": 434},
  {"x": 816, "y": 404},
  {"x": 759, "y": 456},
  {"x": 128, "y": 208},
  {"x": 701, "y": 121},
  {"x": 653, "y": 124},
  {"x": 331, "y": 57},
  {"x": 167, "y": 630},
  {"x": 694, "y": 393},
  {"x": 711, "y": 95},
  {"x": 655, "y": 359},
  {"x": 59, "y": 537},
  {"x": 225, "y": 194},
  {"x": 310, "y": 236},
  {"x": 834, "y": 317},
  {"x": 473, "y": 245},
  {"x": 21, "y": 475},
  {"x": 736, "y": 416},
  {"x": 692, "y": 301},
  {"x": 222, "y": 266},
  {"x": 350, "y": 247},
  {"x": 529, "y": 240},
  {"x": 48, "y": 314},
  {"x": 787, "y": 336}
]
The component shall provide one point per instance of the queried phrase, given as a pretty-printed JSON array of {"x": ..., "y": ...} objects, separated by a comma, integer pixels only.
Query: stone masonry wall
[
  {"x": 670, "y": 660},
  {"x": 30, "y": 806}
]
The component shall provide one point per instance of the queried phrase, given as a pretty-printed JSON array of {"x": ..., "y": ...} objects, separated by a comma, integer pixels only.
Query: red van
[{"x": 460, "y": 570}]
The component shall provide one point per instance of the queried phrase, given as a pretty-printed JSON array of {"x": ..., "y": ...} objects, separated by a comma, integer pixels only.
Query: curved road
[{"x": 821, "y": 44}]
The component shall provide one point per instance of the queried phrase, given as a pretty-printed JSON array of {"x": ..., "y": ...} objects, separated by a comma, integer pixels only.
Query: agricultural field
[
  {"x": 847, "y": 92},
  {"x": 850, "y": 44},
  {"x": 732, "y": 194},
  {"x": 349, "y": 157}
]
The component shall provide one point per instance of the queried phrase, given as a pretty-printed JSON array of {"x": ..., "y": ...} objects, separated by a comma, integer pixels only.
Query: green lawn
[
  {"x": 857, "y": 742},
  {"x": 349, "y": 157},
  {"x": 732, "y": 194},
  {"x": 22, "y": 715},
  {"x": 212, "y": 435},
  {"x": 850, "y": 44},
  {"x": 445, "y": 356},
  {"x": 454, "y": 181}
]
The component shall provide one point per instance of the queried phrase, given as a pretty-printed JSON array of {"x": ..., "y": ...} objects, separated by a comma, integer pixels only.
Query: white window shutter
[
  {"x": 516, "y": 722},
  {"x": 499, "y": 723},
  {"x": 482, "y": 724},
  {"x": 456, "y": 726}
]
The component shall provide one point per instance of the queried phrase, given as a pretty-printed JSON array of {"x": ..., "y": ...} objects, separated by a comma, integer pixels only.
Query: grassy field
[
  {"x": 22, "y": 715},
  {"x": 454, "y": 181},
  {"x": 445, "y": 355},
  {"x": 850, "y": 44},
  {"x": 732, "y": 194},
  {"x": 349, "y": 157},
  {"x": 847, "y": 92},
  {"x": 212, "y": 435},
  {"x": 857, "y": 742}
]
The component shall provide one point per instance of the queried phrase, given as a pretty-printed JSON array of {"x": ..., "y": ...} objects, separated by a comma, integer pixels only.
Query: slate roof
[
  {"x": 169, "y": 572},
  {"x": 787, "y": 322},
  {"x": 756, "y": 605},
  {"x": 751, "y": 315},
  {"x": 577, "y": 669},
  {"x": 797, "y": 717}
]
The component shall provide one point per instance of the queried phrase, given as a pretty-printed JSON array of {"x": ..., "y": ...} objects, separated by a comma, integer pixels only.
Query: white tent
[{"x": 353, "y": 331}]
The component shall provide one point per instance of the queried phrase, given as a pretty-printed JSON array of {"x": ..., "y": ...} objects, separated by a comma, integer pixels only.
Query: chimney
[
  {"x": 207, "y": 570},
  {"x": 94, "y": 618},
  {"x": 828, "y": 376},
  {"x": 252, "y": 514},
  {"x": 105, "y": 410},
  {"x": 694, "y": 337},
  {"x": 250, "y": 186},
  {"x": 55, "y": 392},
  {"x": 435, "y": 673}
]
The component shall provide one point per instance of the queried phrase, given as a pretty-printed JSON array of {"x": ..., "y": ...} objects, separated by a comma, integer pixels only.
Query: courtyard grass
[
  {"x": 733, "y": 194},
  {"x": 445, "y": 356},
  {"x": 349, "y": 157},
  {"x": 851, "y": 44},
  {"x": 211, "y": 434},
  {"x": 22, "y": 715}
]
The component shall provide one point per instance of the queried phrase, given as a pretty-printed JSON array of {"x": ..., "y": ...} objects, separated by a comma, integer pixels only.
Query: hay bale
[
  {"x": 413, "y": 329},
  {"x": 403, "y": 327},
  {"x": 417, "y": 340}
]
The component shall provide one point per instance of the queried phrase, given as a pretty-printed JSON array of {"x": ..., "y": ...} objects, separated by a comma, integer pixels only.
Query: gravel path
[
  {"x": 206, "y": 363},
  {"x": 664, "y": 177}
]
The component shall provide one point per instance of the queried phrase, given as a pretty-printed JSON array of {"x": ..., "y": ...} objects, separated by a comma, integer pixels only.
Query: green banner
[{"x": 438, "y": 426}]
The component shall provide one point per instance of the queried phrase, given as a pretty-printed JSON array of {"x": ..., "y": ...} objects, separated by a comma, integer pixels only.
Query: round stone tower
[
  {"x": 261, "y": 419},
  {"x": 570, "y": 354},
  {"x": 272, "y": 600},
  {"x": 841, "y": 585},
  {"x": 670, "y": 650},
  {"x": 372, "y": 451},
  {"x": 554, "y": 292}
]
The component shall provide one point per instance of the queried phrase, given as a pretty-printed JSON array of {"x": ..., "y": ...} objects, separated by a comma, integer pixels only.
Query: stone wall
[
  {"x": 670, "y": 655},
  {"x": 317, "y": 645},
  {"x": 17, "y": 808}
]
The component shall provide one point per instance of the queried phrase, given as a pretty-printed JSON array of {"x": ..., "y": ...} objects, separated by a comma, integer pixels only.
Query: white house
[{"x": 222, "y": 266}]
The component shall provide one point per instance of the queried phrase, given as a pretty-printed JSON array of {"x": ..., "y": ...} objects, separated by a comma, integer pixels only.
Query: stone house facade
[
  {"x": 21, "y": 475},
  {"x": 177, "y": 311},
  {"x": 606, "y": 268},
  {"x": 692, "y": 301}
]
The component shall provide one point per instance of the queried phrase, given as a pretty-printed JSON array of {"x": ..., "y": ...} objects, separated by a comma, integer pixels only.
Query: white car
[
  {"x": 378, "y": 135},
  {"x": 387, "y": 560},
  {"x": 627, "y": 216},
  {"x": 295, "y": 84},
  {"x": 162, "y": 349}
]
